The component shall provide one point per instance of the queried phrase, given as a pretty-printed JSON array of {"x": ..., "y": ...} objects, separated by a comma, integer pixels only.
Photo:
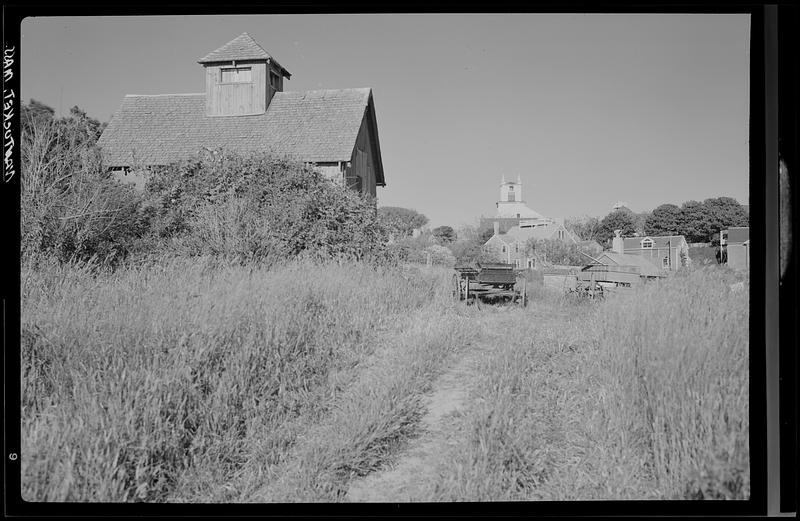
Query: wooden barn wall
[
  {"x": 236, "y": 99},
  {"x": 270, "y": 90},
  {"x": 365, "y": 169}
]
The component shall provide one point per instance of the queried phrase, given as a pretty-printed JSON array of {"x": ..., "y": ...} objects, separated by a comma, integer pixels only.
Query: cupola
[{"x": 241, "y": 78}]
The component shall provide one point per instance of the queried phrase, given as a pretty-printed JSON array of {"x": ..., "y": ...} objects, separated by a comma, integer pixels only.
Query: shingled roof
[
  {"x": 665, "y": 241},
  {"x": 540, "y": 232},
  {"x": 315, "y": 126},
  {"x": 243, "y": 47},
  {"x": 737, "y": 234}
]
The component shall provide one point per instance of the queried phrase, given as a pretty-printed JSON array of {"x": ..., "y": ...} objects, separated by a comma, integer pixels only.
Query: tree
[
  {"x": 401, "y": 222},
  {"x": 622, "y": 219},
  {"x": 554, "y": 251},
  {"x": 700, "y": 221},
  {"x": 723, "y": 212},
  {"x": 639, "y": 222},
  {"x": 691, "y": 221},
  {"x": 665, "y": 220},
  {"x": 586, "y": 228},
  {"x": 444, "y": 234}
]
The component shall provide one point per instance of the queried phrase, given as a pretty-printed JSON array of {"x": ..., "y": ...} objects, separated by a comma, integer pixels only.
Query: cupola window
[{"x": 236, "y": 75}]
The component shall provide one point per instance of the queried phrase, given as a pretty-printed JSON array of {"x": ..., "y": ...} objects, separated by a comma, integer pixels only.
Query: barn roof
[
  {"x": 658, "y": 242},
  {"x": 315, "y": 126},
  {"x": 243, "y": 47},
  {"x": 738, "y": 234},
  {"x": 624, "y": 259}
]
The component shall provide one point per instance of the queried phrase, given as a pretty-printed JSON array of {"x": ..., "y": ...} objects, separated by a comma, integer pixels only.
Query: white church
[
  {"x": 512, "y": 210},
  {"x": 515, "y": 223}
]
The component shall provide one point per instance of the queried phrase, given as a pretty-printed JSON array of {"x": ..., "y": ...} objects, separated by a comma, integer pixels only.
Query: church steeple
[
  {"x": 510, "y": 191},
  {"x": 511, "y": 204}
]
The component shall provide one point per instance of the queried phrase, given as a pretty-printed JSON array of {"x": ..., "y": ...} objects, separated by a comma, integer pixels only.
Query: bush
[
  {"x": 69, "y": 207},
  {"x": 260, "y": 207}
]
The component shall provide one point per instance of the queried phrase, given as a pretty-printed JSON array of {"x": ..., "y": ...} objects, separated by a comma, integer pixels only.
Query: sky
[{"x": 587, "y": 109}]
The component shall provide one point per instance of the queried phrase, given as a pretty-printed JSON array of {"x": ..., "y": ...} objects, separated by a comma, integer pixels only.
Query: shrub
[
  {"x": 260, "y": 207},
  {"x": 69, "y": 207}
]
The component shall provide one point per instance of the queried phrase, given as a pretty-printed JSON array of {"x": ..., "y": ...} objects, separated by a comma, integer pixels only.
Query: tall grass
[
  {"x": 680, "y": 352},
  {"x": 159, "y": 381},
  {"x": 643, "y": 396}
]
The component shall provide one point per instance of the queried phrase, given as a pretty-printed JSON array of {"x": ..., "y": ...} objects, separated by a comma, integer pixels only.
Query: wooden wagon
[
  {"x": 596, "y": 280},
  {"x": 490, "y": 283}
]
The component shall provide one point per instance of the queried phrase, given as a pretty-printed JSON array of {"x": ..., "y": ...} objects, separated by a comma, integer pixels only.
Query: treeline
[
  {"x": 254, "y": 207},
  {"x": 696, "y": 221}
]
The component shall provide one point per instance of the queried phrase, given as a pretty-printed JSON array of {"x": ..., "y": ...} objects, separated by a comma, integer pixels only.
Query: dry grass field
[{"x": 201, "y": 381}]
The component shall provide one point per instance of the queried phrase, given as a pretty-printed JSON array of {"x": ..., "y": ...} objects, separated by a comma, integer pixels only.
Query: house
[
  {"x": 735, "y": 247},
  {"x": 506, "y": 248},
  {"x": 511, "y": 246},
  {"x": 620, "y": 205},
  {"x": 668, "y": 252},
  {"x": 245, "y": 109}
]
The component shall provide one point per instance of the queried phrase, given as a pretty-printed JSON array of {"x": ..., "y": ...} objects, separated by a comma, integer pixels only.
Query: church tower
[
  {"x": 510, "y": 191},
  {"x": 241, "y": 78},
  {"x": 511, "y": 204}
]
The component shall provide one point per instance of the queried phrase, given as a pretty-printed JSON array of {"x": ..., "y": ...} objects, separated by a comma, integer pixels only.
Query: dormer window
[
  {"x": 647, "y": 242},
  {"x": 274, "y": 80},
  {"x": 236, "y": 75}
]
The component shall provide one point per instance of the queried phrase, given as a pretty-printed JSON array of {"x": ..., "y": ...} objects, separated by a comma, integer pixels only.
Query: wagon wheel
[{"x": 600, "y": 295}]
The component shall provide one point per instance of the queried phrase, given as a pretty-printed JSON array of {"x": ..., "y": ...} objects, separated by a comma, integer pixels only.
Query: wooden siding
[
  {"x": 278, "y": 88},
  {"x": 236, "y": 99},
  {"x": 362, "y": 162},
  {"x": 739, "y": 256}
]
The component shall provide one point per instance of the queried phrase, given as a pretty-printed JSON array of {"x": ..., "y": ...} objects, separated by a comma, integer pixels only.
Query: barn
[{"x": 244, "y": 108}]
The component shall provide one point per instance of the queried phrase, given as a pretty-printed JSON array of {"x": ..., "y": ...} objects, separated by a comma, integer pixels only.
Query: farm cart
[
  {"x": 596, "y": 280},
  {"x": 489, "y": 283}
]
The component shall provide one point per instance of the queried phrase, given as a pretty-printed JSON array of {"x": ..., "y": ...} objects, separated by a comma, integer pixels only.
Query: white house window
[
  {"x": 273, "y": 80},
  {"x": 518, "y": 263},
  {"x": 665, "y": 262},
  {"x": 560, "y": 234},
  {"x": 516, "y": 248},
  {"x": 236, "y": 75},
  {"x": 647, "y": 243},
  {"x": 531, "y": 263},
  {"x": 504, "y": 249}
]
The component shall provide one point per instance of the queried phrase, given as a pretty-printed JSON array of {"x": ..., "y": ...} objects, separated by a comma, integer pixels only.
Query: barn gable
[{"x": 245, "y": 109}]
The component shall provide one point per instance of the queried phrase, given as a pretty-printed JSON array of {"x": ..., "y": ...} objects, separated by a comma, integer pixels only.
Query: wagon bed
[{"x": 495, "y": 282}]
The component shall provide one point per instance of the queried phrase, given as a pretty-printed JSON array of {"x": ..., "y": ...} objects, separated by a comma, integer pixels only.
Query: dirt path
[{"x": 412, "y": 475}]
